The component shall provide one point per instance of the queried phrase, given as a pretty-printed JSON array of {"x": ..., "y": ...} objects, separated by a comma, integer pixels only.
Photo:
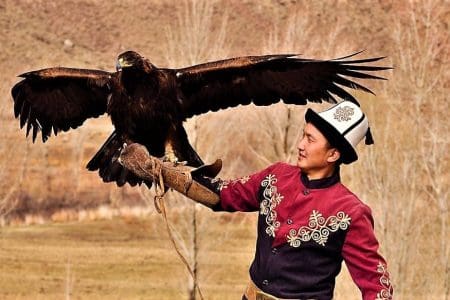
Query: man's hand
[{"x": 136, "y": 158}]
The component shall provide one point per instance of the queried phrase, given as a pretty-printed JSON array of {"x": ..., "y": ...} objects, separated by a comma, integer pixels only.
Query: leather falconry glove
[{"x": 196, "y": 183}]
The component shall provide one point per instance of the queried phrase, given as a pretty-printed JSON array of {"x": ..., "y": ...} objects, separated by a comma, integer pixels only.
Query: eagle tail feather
[
  {"x": 108, "y": 166},
  {"x": 102, "y": 154}
]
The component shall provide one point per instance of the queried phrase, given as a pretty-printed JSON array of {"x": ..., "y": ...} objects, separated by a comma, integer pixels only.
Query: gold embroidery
[
  {"x": 318, "y": 228},
  {"x": 386, "y": 291},
  {"x": 223, "y": 184},
  {"x": 244, "y": 179},
  {"x": 268, "y": 204}
]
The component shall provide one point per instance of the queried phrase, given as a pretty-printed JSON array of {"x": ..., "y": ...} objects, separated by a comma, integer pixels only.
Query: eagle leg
[{"x": 169, "y": 154}]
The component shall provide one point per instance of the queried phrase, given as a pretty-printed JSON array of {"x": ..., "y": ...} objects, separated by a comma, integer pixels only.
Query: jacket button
[
  {"x": 306, "y": 192},
  {"x": 265, "y": 282},
  {"x": 274, "y": 250},
  {"x": 289, "y": 221}
]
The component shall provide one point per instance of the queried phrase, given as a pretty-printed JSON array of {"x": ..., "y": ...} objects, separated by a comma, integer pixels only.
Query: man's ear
[{"x": 333, "y": 155}]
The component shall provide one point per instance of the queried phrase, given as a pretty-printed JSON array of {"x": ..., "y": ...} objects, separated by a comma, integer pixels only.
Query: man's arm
[
  {"x": 360, "y": 252},
  {"x": 221, "y": 195}
]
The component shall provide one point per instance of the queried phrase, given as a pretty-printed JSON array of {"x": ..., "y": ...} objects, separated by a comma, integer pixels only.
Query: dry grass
[
  {"x": 122, "y": 258},
  {"x": 404, "y": 177}
]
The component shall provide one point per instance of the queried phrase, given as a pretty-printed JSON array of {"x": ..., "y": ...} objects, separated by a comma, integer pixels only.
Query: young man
[{"x": 309, "y": 222}]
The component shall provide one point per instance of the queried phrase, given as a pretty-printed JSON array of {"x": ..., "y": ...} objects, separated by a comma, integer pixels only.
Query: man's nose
[{"x": 300, "y": 144}]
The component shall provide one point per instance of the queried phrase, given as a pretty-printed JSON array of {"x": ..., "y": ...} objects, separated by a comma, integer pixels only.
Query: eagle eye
[{"x": 123, "y": 63}]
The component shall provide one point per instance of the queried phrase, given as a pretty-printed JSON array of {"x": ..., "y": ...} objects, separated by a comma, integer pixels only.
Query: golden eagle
[{"x": 148, "y": 105}]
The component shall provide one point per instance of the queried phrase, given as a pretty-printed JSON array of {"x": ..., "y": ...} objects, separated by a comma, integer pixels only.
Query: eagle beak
[
  {"x": 118, "y": 66},
  {"x": 122, "y": 63}
]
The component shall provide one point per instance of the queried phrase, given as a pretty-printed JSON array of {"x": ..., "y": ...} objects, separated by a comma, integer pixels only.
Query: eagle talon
[
  {"x": 122, "y": 150},
  {"x": 171, "y": 157},
  {"x": 182, "y": 163},
  {"x": 175, "y": 162}
]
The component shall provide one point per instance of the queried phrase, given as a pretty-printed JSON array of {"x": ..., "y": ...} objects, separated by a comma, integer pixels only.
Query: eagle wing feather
[
  {"x": 266, "y": 80},
  {"x": 59, "y": 99}
]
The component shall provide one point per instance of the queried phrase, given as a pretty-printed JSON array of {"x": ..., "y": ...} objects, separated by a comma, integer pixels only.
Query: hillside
[
  {"x": 404, "y": 177},
  {"x": 90, "y": 34}
]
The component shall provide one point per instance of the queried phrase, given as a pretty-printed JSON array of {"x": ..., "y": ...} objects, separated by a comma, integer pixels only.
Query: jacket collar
[{"x": 320, "y": 183}]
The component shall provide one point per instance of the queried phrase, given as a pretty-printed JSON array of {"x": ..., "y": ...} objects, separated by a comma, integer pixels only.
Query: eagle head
[{"x": 131, "y": 59}]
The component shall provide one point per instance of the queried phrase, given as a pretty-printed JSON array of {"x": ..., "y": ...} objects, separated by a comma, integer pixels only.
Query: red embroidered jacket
[{"x": 305, "y": 230}]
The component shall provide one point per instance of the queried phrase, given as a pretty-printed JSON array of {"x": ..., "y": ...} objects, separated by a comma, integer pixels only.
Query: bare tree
[
  {"x": 422, "y": 47},
  {"x": 11, "y": 176},
  {"x": 190, "y": 41},
  {"x": 405, "y": 177}
]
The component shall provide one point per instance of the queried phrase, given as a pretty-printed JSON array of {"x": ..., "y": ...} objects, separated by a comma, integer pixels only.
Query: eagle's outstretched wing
[
  {"x": 60, "y": 98},
  {"x": 265, "y": 80}
]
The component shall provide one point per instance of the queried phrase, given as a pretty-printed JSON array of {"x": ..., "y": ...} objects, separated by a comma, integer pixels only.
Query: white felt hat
[{"x": 344, "y": 125}]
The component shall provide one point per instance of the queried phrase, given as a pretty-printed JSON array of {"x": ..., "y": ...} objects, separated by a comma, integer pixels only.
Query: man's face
[{"x": 315, "y": 156}]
